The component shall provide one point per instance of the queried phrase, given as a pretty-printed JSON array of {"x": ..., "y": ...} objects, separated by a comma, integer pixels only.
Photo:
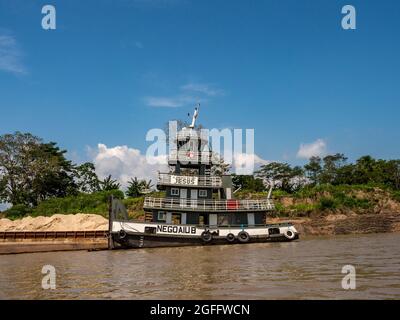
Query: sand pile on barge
[{"x": 57, "y": 222}]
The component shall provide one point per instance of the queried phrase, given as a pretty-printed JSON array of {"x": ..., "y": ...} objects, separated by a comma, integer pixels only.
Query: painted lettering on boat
[{"x": 176, "y": 229}]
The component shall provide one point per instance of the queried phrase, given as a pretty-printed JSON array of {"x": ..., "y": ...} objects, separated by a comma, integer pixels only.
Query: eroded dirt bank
[{"x": 345, "y": 224}]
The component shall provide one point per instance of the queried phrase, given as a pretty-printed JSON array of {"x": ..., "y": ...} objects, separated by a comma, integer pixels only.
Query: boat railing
[
  {"x": 191, "y": 134},
  {"x": 208, "y": 204},
  {"x": 182, "y": 180},
  {"x": 204, "y": 157}
]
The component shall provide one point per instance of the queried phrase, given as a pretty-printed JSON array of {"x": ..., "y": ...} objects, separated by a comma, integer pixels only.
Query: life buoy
[
  {"x": 122, "y": 234},
  {"x": 206, "y": 236},
  {"x": 289, "y": 234},
  {"x": 230, "y": 237},
  {"x": 243, "y": 236}
]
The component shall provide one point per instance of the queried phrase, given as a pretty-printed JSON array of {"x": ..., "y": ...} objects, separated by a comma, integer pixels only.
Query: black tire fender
[
  {"x": 243, "y": 236},
  {"x": 122, "y": 234},
  {"x": 230, "y": 237},
  {"x": 289, "y": 234},
  {"x": 206, "y": 236}
]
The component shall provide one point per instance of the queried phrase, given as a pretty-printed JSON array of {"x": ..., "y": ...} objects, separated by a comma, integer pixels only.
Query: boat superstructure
[{"x": 199, "y": 207}]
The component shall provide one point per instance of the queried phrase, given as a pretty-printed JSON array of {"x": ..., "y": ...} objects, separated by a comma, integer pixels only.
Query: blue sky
[{"x": 112, "y": 70}]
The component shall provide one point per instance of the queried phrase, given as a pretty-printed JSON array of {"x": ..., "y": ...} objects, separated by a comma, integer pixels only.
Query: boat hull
[
  {"x": 129, "y": 234},
  {"x": 137, "y": 240}
]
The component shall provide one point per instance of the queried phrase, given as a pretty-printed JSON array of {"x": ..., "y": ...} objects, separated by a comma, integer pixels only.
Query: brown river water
[{"x": 306, "y": 269}]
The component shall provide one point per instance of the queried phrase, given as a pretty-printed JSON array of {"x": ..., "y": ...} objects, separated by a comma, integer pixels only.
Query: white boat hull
[{"x": 126, "y": 234}]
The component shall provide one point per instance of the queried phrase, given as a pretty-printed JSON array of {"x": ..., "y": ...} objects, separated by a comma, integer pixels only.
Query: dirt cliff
[{"x": 345, "y": 224}]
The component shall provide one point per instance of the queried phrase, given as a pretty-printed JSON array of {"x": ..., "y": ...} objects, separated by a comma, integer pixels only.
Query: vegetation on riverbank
[
  {"x": 312, "y": 201},
  {"x": 37, "y": 179},
  {"x": 329, "y": 199}
]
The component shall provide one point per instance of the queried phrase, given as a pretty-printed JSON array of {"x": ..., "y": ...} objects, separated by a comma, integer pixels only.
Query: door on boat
[
  {"x": 203, "y": 219},
  {"x": 193, "y": 198},
  {"x": 176, "y": 218},
  {"x": 183, "y": 196}
]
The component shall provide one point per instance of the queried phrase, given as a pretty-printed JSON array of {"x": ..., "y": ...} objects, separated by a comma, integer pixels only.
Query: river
[{"x": 306, "y": 269}]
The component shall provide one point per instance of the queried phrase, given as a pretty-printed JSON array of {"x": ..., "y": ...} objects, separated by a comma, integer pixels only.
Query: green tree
[
  {"x": 332, "y": 163},
  {"x": 86, "y": 178},
  {"x": 54, "y": 173},
  {"x": 13, "y": 163},
  {"x": 365, "y": 170},
  {"x": 313, "y": 169},
  {"x": 32, "y": 171},
  {"x": 248, "y": 182},
  {"x": 393, "y": 174},
  {"x": 137, "y": 188},
  {"x": 3, "y": 188},
  {"x": 345, "y": 175},
  {"x": 108, "y": 184},
  {"x": 147, "y": 185},
  {"x": 281, "y": 175}
]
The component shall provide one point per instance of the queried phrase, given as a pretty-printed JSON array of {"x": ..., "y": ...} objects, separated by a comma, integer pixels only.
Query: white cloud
[
  {"x": 10, "y": 55},
  {"x": 170, "y": 102},
  {"x": 308, "y": 150},
  {"x": 203, "y": 88},
  {"x": 246, "y": 164},
  {"x": 190, "y": 94},
  {"x": 124, "y": 163},
  {"x": 242, "y": 163}
]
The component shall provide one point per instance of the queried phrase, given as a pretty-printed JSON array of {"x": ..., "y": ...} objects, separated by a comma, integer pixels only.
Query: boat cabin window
[
  {"x": 161, "y": 216},
  {"x": 203, "y": 219},
  {"x": 202, "y": 193},
  {"x": 223, "y": 220},
  {"x": 174, "y": 192},
  {"x": 239, "y": 219},
  {"x": 259, "y": 218}
]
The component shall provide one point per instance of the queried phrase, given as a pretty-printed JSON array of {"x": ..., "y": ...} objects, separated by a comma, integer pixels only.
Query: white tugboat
[{"x": 199, "y": 207}]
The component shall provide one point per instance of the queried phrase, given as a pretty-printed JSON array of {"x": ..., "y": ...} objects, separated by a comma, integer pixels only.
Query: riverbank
[
  {"x": 340, "y": 224},
  {"x": 322, "y": 224},
  {"x": 82, "y": 231}
]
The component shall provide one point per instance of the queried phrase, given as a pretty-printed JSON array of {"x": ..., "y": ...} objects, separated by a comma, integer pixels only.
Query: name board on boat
[
  {"x": 176, "y": 229},
  {"x": 185, "y": 180}
]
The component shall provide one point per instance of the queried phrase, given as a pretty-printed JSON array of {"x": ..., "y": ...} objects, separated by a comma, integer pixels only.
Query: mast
[{"x": 195, "y": 115}]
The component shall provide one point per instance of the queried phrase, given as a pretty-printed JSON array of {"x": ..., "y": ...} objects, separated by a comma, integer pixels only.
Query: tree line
[
  {"x": 32, "y": 171},
  {"x": 331, "y": 169}
]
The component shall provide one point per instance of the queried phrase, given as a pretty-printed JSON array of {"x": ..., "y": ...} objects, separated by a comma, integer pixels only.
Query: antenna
[{"x": 195, "y": 115}]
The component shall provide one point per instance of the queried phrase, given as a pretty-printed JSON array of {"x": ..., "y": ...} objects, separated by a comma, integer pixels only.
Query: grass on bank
[
  {"x": 326, "y": 198},
  {"x": 309, "y": 200},
  {"x": 95, "y": 203}
]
